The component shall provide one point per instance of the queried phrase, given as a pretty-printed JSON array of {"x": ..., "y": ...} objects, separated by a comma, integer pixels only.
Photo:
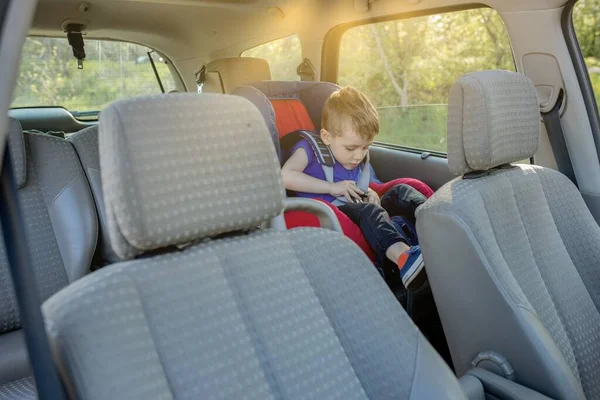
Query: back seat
[
  {"x": 86, "y": 145},
  {"x": 61, "y": 224}
]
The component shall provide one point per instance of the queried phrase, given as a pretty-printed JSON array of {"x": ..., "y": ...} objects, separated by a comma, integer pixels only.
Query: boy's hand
[
  {"x": 373, "y": 197},
  {"x": 348, "y": 189}
]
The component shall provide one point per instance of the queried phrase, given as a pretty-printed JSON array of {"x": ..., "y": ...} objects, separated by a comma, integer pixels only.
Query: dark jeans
[
  {"x": 375, "y": 224},
  {"x": 402, "y": 200}
]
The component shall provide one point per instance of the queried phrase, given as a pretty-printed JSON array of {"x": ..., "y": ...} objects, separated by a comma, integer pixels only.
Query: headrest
[
  {"x": 182, "y": 167},
  {"x": 224, "y": 75},
  {"x": 313, "y": 96},
  {"x": 16, "y": 146},
  {"x": 493, "y": 119}
]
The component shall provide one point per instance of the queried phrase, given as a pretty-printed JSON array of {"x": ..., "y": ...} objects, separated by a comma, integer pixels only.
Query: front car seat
[
  {"x": 259, "y": 313},
  {"x": 511, "y": 251}
]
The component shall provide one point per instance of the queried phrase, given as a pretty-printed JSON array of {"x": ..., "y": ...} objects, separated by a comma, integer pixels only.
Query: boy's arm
[{"x": 295, "y": 179}]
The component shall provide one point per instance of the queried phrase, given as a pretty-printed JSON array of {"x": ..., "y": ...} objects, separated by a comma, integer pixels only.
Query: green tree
[
  {"x": 586, "y": 20},
  {"x": 406, "y": 67},
  {"x": 48, "y": 74},
  {"x": 283, "y": 55}
]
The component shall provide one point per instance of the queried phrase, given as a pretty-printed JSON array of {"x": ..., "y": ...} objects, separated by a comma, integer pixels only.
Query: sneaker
[{"x": 411, "y": 266}]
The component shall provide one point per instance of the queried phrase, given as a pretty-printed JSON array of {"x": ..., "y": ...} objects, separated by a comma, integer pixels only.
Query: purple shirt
[{"x": 314, "y": 169}]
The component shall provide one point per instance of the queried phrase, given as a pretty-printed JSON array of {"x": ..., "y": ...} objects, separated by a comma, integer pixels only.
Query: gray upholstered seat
[
  {"x": 513, "y": 254},
  {"x": 252, "y": 315},
  {"x": 61, "y": 225},
  {"x": 86, "y": 144}
]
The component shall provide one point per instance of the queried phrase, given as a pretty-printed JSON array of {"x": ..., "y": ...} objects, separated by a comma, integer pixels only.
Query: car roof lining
[{"x": 201, "y": 29}]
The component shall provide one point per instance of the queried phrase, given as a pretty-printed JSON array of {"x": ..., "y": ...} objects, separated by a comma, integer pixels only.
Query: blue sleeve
[{"x": 303, "y": 144}]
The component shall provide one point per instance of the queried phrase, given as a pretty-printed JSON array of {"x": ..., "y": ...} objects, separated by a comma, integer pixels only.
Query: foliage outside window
[
  {"x": 48, "y": 74},
  {"x": 586, "y": 20},
  {"x": 406, "y": 67},
  {"x": 283, "y": 55}
]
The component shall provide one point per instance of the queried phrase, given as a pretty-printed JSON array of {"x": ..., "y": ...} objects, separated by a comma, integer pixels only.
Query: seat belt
[
  {"x": 364, "y": 178},
  {"x": 200, "y": 78},
  {"x": 25, "y": 287},
  {"x": 557, "y": 139}
]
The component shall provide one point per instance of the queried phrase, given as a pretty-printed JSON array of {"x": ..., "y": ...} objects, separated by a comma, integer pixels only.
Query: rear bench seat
[
  {"x": 86, "y": 145},
  {"x": 61, "y": 224}
]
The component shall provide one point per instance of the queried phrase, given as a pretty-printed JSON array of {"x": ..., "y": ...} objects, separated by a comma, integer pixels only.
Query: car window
[
  {"x": 283, "y": 55},
  {"x": 407, "y": 66},
  {"x": 586, "y": 20},
  {"x": 112, "y": 70}
]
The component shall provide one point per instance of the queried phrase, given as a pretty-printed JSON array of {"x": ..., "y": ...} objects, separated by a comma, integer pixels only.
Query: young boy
[{"x": 349, "y": 125}]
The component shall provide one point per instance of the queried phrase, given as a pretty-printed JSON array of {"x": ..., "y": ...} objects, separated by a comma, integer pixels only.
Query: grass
[{"x": 422, "y": 127}]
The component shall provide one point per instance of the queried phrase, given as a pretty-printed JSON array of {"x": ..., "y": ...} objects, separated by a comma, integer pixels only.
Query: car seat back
[
  {"x": 511, "y": 250},
  {"x": 257, "y": 314}
]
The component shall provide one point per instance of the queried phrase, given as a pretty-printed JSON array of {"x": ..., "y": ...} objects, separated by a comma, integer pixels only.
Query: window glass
[
  {"x": 49, "y": 76},
  {"x": 283, "y": 55},
  {"x": 586, "y": 20},
  {"x": 406, "y": 67}
]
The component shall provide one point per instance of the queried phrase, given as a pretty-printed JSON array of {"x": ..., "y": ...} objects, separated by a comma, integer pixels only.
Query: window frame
[
  {"x": 178, "y": 80},
  {"x": 330, "y": 57}
]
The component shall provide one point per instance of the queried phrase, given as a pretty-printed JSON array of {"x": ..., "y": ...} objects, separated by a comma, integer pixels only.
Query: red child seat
[{"x": 290, "y": 106}]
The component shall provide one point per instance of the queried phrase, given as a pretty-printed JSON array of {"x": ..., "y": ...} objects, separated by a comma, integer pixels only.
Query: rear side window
[
  {"x": 406, "y": 67},
  {"x": 48, "y": 75},
  {"x": 586, "y": 21},
  {"x": 283, "y": 55}
]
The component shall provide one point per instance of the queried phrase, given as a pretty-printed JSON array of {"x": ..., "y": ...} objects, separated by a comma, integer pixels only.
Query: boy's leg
[
  {"x": 402, "y": 200},
  {"x": 406, "y": 228},
  {"x": 376, "y": 226},
  {"x": 385, "y": 239}
]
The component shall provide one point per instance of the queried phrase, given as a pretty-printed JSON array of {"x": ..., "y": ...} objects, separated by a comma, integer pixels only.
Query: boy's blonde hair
[{"x": 348, "y": 108}]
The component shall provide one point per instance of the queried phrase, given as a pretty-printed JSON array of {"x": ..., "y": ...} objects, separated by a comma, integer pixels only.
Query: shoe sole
[{"x": 413, "y": 272}]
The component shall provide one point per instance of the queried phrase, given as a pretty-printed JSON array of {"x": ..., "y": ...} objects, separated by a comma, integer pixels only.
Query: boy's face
[{"x": 349, "y": 149}]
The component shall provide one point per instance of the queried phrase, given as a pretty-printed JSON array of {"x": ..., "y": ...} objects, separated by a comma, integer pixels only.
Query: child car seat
[{"x": 290, "y": 106}]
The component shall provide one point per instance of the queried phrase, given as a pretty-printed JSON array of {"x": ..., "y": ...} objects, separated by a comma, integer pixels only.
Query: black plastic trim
[{"x": 414, "y": 150}]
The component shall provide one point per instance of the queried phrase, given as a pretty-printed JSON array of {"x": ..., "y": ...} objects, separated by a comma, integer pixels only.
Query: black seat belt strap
[{"x": 557, "y": 139}]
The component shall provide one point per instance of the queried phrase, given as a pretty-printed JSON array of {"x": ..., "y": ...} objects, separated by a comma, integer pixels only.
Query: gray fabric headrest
[
  {"x": 493, "y": 119},
  {"x": 16, "y": 146},
  {"x": 182, "y": 167}
]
